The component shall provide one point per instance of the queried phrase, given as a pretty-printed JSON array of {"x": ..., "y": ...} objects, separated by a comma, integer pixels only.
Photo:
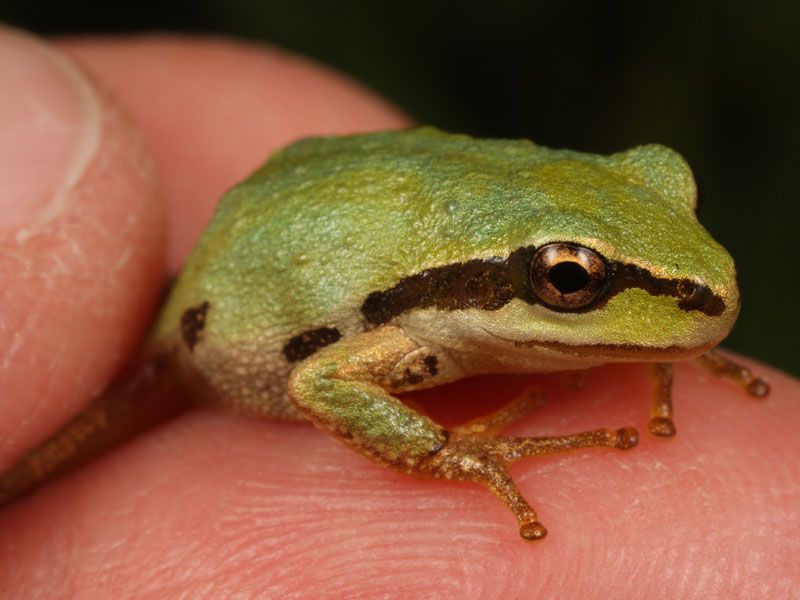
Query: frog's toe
[
  {"x": 627, "y": 438},
  {"x": 532, "y": 532},
  {"x": 662, "y": 426},
  {"x": 758, "y": 388}
]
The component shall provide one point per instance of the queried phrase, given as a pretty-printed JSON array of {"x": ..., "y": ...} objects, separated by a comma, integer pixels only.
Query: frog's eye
[{"x": 566, "y": 276}]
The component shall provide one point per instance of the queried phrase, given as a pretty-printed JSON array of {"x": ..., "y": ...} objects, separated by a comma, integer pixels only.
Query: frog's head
[
  {"x": 621, "y": 267},
  {"x": 607, "y": 260}
]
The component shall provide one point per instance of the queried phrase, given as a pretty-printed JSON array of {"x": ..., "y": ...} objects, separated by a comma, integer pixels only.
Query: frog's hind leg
[
  {"x": 721, "y": 366},
  {"x": 151, "y": 391}
]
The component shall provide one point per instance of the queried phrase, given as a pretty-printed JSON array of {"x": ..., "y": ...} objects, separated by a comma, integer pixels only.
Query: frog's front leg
[
  {"x": 346, "y": 389},
  {"x": 661, "y": 416},
  {"x": 661, "y": 423}
]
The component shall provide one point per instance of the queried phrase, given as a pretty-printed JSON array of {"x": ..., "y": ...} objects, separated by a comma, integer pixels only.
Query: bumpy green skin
[{"x": 302, "y": 242}]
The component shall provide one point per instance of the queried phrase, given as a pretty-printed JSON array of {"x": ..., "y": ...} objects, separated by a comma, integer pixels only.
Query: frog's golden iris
[{"x": 565, "y": 276}]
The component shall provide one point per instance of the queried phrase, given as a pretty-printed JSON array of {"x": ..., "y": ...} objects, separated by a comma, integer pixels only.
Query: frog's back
[{"x": 331, "y": 217}]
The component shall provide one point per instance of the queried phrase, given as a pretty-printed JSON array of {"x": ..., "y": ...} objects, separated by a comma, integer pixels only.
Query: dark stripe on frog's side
[
  {"x": 492, "y": 283},
  {"x": 193, "y": 321},
  {"x": 485, "y": 284},
  {"x": 307, "y": 343}
]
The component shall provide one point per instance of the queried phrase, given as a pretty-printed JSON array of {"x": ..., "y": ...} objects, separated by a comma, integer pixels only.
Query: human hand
[{"x": 217, "y": 505}]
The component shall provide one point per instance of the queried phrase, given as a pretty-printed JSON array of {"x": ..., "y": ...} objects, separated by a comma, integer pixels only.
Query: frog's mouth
[{"x": 631, "y": 352}]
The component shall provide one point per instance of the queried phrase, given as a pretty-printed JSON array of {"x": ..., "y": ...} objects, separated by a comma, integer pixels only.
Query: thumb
[{"x": 81, "y": 236}]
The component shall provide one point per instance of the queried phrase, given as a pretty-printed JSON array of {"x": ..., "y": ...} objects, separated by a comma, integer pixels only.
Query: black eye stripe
[{"x": 490, "y": 284}]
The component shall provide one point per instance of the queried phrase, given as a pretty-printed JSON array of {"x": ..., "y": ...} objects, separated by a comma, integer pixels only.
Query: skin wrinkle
[
  {"x": 16, "y": 343},
  {"x": 26, "y": 328},
  {"x": 95, "y": 223},
  {"x": 23, "y": 330},
  {"x": 29, "y": 323}
]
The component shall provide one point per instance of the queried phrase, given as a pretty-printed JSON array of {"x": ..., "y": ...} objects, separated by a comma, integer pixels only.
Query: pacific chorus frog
[{"x": 349, "y": 269}]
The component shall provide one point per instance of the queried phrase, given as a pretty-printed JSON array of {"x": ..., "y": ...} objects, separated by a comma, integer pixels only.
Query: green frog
[{"x": 350, "y": 269}]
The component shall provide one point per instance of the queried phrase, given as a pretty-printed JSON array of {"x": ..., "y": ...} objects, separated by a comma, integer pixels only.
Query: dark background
[{"x": 718, "y": 81}]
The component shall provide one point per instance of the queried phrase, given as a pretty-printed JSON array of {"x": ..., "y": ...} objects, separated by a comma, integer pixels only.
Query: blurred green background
[{"x": 718, "y": 81}]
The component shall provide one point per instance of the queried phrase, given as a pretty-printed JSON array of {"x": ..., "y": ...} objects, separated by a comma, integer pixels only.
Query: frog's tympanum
[{"x": 349, "y": 269}]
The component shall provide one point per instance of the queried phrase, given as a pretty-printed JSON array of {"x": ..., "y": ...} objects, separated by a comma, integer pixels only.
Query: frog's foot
[
  {"x": 721, "y": 366},
  {"x": 470, "y": 453}
]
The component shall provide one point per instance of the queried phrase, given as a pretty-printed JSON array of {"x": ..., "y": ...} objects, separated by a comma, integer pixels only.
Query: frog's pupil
[{"x": 568, "y": 277}]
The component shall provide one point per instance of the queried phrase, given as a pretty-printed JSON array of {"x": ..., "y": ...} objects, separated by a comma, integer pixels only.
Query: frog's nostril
[{"x": 687, "y": 290}]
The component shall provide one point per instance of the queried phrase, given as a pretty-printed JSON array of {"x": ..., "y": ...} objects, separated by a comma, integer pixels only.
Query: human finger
[{"x": 81, "y": 240}]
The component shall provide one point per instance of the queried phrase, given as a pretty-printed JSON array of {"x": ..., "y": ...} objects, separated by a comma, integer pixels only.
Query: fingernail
[{"x": 49, "y": 131}]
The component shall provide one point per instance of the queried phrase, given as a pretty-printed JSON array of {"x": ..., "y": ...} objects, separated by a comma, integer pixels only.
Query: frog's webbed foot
[
  {"x": 721, "y": 366},
  {"x": 473, "y": 452}
]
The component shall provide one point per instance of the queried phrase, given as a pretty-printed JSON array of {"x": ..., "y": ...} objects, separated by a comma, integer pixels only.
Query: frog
[{"x": 349, "y": 270}]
